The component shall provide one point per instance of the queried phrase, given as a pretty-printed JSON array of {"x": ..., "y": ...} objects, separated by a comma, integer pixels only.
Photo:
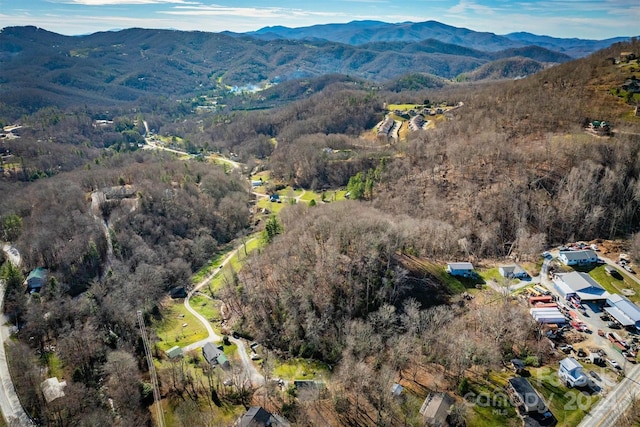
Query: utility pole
[{"x": 152, "y": 370}]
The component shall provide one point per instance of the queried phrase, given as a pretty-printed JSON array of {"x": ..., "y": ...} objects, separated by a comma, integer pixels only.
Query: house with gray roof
[{"x": 582, "y": 257}]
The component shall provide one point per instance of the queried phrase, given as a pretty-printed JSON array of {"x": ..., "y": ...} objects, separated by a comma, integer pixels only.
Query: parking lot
[{"x": 591, "y": 317}]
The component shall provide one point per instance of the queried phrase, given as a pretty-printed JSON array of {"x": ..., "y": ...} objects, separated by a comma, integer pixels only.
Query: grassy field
[
  {"x": 207, "y": 307},
  {"x": 272, "y": 207},
  {"x": 615, "y": 285},
  {"x": 403, "y": 107},
  {"x": 568, "y": 405},
  {"x": 213, "y": 264},
  {"x": 234, "y": 264},
  {"x": 491, "y": 274},
  {"x": 178, "y": 327},
  {"x": 300, "y": 369},
  {"x": 490, "y": 407}
]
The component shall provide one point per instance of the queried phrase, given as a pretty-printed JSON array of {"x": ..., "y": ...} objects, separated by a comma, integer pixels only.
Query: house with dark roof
[
  {"x": 215, "y": 356},
  {"x": 36, "y": 280},
  {"x": 529, "y": 403},
  {"x": 257, "y": 416}
]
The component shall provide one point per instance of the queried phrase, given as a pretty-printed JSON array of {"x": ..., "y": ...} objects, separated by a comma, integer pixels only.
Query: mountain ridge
[
  {"x": 362, "y": 32},
  {"x": 123, "y": 66}
]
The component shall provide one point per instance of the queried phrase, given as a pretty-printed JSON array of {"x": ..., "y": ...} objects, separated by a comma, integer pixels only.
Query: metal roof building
[
  {"x": 624, "y": 311},
  {"x": 580, "y": 285}
]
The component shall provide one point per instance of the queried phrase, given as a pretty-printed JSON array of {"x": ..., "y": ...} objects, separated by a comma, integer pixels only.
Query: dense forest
[{"x": 509, "y": 172}]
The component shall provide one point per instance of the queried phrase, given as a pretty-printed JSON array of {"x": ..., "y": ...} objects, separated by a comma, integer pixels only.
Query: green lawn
[
  {"x": 568, "y": 405},
  {"x": 178, "y": 327},
  {"x": 615, "y": 285},
  {"x": 207, "y": 307},
  {"x": 489, "y": 406},
  {"x": 300, "y": 369},
  {"x": 403, "y": 107},
  {"x": 234, "y": 263},
  {"x": 491, "y": 274},
  {"x": 201, "y": 274},
  {"x": 55, "y": 366},
  {"x": 273, "y": 207}
]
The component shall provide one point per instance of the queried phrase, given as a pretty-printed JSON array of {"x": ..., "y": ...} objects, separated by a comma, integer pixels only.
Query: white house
[
  {"x": 513, "y": 271},
  {"x": 570, "y": 372},
  {"x": 463, "y": 269},
  {"x": 585, "y": 256}
]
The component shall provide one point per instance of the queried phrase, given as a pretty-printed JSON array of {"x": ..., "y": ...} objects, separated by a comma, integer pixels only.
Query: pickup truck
[{"x": 614, "y": 364}]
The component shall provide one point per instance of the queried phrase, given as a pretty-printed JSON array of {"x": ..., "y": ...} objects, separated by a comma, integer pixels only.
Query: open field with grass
[
  {"x": 491, "y": 274},
  {"x": 201, "y": 274},
  {"x": 301, "y": 369},
  {"x": 614, "y": 285},
  {"x": 207, "y": 307},
  {"x": 403, "y": 107},
  {"x": 272, "y": 207},
  {"x": 234, "y": 264},
  {"x": 489, "y": 406},
  {"x": 568, "y": 405},
  {"x": 178, "y": 327}
]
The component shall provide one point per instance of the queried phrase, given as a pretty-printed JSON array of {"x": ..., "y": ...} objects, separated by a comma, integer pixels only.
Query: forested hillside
[
  {"x": 40, "y": 68},
  {"x": 506, "y": 170}
]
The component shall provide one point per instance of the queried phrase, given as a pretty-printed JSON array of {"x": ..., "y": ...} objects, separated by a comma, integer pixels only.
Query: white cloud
[
  {"x": 120, "y": 2},
  {"x": 466, "y": 6},
  {"x": 246, "y": 12}
]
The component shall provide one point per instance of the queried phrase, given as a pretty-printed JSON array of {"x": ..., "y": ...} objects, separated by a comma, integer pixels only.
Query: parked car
[
  {"x": 605, "y": 317},
  {"x": 614, "y": 364},
  {"x": 595, "y": 375},
  {"x": 628, "y": 268},
  {"x": 546, "y": 254},
  {"x": 613, "y": 325},
  {"x": 568, "y": 348}
]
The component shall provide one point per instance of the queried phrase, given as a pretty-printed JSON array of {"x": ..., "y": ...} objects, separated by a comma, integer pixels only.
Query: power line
[{"x": 152, "y": 369}]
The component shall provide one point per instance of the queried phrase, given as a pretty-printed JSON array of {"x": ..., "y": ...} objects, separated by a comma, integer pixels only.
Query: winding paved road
[
  {"x": 249, "y": 368},
  {"x": 252, "y": 373},
  {"x": 12, "y": 410}
]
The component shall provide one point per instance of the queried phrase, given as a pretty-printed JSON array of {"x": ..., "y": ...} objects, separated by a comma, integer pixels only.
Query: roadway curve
[
  {"x": 252, "y": 373},
  {"x": 12, "y": 410},
  {"x": 256, "y": 378}
]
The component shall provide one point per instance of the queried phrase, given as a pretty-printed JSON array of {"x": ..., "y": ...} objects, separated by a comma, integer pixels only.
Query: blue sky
[{"x": 592, "y": 19}]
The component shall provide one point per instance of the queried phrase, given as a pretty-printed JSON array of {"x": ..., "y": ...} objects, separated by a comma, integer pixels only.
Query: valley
[{"x": 359, "y": 250}]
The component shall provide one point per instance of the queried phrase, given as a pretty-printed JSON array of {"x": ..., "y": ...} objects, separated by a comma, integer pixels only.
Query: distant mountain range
[
  {"x": 38, "y": 67},
  {"x": 363, "y": 32}
]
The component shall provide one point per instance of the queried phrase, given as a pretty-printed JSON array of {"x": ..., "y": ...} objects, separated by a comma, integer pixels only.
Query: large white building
[{"x": 580, "y": 285}]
